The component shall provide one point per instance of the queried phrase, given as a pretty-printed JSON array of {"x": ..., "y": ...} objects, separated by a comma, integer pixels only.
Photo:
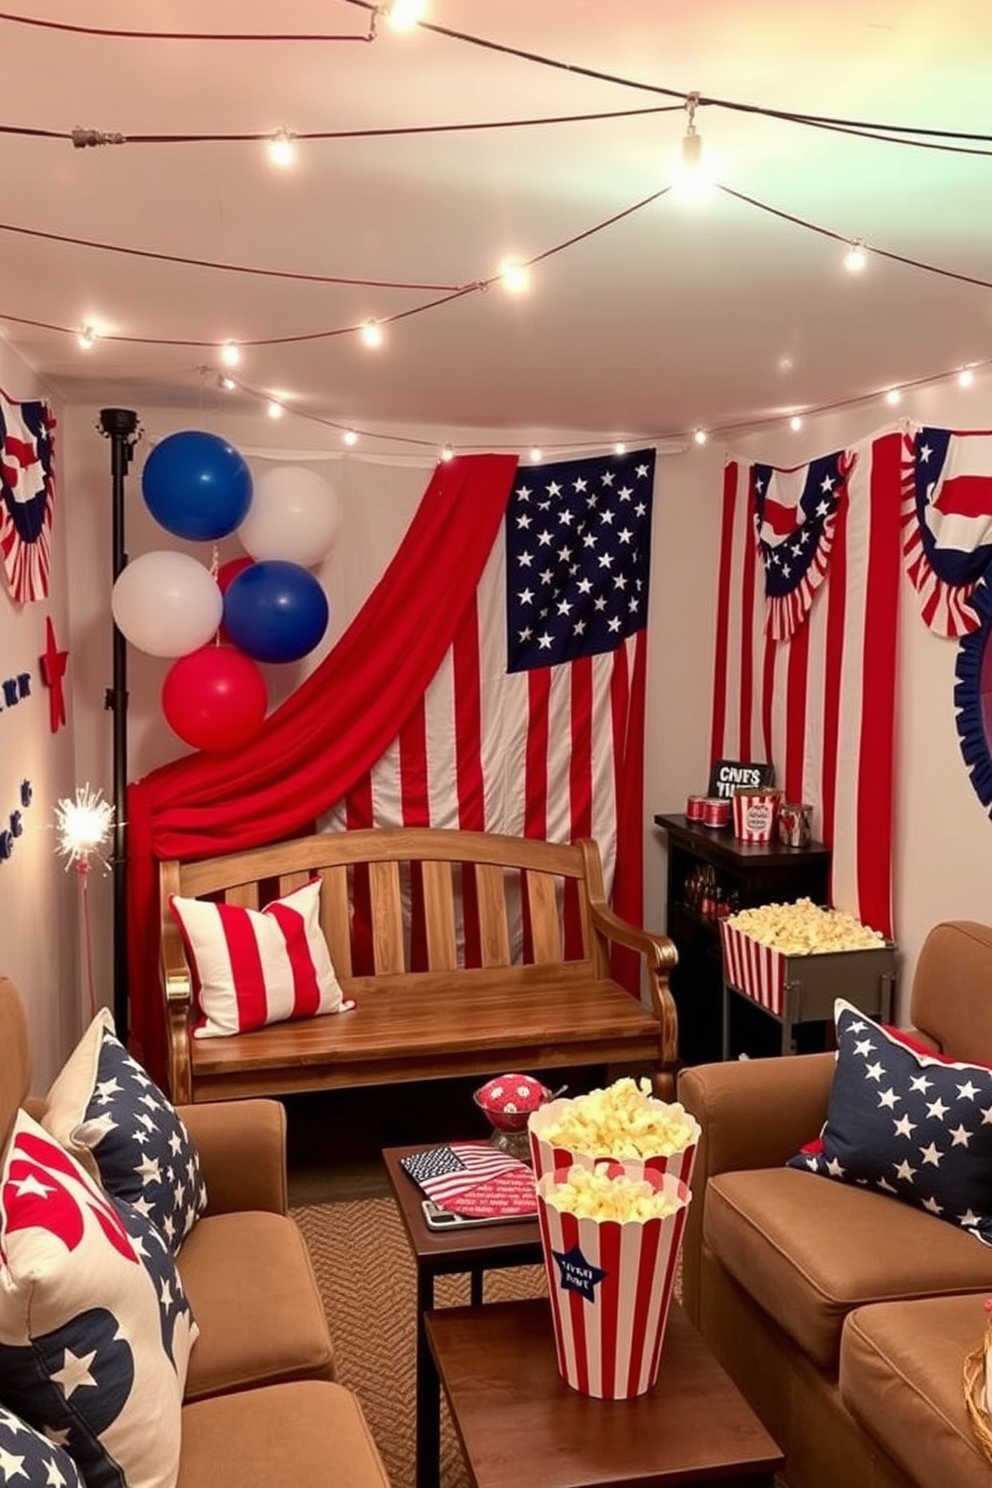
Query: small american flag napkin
[{"x": 474, "y": 1179}]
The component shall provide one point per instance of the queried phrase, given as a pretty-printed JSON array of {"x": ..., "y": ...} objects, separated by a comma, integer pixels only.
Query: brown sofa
[
  {"x": 843, "y": 1314},
  {"x": 261, "y": 1407}
]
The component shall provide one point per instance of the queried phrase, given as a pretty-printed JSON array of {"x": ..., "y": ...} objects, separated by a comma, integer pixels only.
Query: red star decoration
[{"x": 53, "y": 667}]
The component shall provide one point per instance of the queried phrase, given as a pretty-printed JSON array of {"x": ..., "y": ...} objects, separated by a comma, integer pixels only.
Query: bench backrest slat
[
  {"x": 439, "y": 916},
  {"x": 544, "y": 911},
  {"x": 388, "y": 954},
  {"x": 494, "y": 932},
  {"x": 335, "y": 917}
]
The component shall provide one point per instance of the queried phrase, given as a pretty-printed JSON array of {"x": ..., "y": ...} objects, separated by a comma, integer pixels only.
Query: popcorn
[
  {"x": 805, "y": 929},
  {"x": 622, "y": 1121},
  {"x": 599, "y": 1194}
]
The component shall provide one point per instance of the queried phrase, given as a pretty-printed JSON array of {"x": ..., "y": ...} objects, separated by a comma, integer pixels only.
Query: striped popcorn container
[
  {"x": 756, "y": 970},
  {"x": 610, "y": 1284},
  {"x": 754, "y": 814},
  {"x": 552, "y": 1157}
]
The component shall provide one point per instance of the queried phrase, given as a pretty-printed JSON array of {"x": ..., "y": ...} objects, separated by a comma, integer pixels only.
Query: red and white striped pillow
[{"x": 256, "y": 967}]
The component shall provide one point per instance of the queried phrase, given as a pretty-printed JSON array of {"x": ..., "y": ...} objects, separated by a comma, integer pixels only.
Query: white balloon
[
  {"x": 167, "y": 603},
  {"x": 294, "y": 515}
]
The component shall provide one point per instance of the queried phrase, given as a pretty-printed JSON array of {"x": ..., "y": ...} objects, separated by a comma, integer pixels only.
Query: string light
[
  {"x": 226, "y": 384},
  {"x": 403, "y": 15},
  {"x": 350, "y": 437},
  {"x": 536, "y": 455},
  {"x": 700, "y": 436},
  {"x": 514, "y": 276},
  {"x": 795, "y": 423},
  {"x": 275, "y": 409},
  {"x": 965, "y": 377},
  {"x": 893, "y": 397},
  {"x": 371, "y": 333},
  {"x": 281, "y": 149},
  {"x": 619, "y": 448},
  {"x": 447, "y": 453},
  {"x": 692, "y": 176},
  {"x": 86, "y": 337},
  {"x": 855, "y": 258},
  {"x": 230, "y": 354}
]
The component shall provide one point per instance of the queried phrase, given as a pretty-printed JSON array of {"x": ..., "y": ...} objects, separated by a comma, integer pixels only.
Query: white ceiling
[{"x": 674, "y": 318}]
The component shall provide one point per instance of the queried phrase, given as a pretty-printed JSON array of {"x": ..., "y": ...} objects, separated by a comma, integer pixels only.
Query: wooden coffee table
[
  {"x": 475, "y": 1249},
  {"x": 518, "y": 1422}
]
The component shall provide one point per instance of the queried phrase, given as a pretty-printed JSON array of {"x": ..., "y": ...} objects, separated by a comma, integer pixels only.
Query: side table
[
  {"x": 519, "y": 1422},
  {"x": 473, "y": 1248}
]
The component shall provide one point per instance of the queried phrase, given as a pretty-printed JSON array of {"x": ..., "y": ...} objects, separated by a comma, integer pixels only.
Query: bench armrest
[
  {"x": 242, "y": 1147},
  {"x": 754, "y": 1113}
]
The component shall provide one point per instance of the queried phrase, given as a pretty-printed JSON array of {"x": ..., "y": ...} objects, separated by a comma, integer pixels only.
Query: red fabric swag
[{"x": 328, "y": 733}]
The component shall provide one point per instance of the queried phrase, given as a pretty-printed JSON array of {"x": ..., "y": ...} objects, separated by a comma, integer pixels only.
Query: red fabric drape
[{"x": 331, "y": 730}]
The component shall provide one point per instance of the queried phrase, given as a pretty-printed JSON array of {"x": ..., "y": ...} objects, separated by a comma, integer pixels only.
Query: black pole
[{"x": 120, "y": 426}]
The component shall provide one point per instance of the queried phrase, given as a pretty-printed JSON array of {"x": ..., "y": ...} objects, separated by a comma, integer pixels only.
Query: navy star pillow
[
  {"x": 30, "y": 1460},
  {"x": 908, "y": 1123},
  {"x": 106, "y": 1111}
]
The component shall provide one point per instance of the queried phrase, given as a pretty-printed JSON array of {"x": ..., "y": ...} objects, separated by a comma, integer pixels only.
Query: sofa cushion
[
  {"x": 251, "y": 1285},
  {"x": 907, "y": 1123},
  {"x": 29, "y": 1460},
  {"x": 311, "y": 1433},
  {"x": 809, "y": 1252},
  {"x": 107, "y": 1112},
  {"x": 900, "y": 1377},
  {"x": 95, "y": 1329},
  {"x": 256, "y": 967}
]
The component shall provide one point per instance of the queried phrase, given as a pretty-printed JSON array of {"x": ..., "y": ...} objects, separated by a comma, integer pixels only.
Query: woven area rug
[{"x": 367, "y": 1279}]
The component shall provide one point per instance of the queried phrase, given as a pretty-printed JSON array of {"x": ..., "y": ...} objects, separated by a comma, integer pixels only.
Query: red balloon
[
  {"x": 215, "y": 698},
  {"x": 226, "y": 575}
]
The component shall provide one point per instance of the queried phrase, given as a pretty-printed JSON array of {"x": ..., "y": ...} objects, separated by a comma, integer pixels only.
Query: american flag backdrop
[
  {"x": 820, "y": 705},
  {"x": 533, "y": 724}
]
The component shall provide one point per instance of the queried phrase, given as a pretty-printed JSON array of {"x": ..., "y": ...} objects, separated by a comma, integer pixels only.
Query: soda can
[
  {"x": 695, "y": 808},
  {"x": 716, "y": 811}
]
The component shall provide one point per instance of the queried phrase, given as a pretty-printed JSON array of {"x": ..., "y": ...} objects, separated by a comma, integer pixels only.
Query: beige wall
[{"x": 39, "y": 901}]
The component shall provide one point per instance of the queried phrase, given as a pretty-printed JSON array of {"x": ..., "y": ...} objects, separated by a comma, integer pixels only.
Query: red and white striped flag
[
  {"x": 533, "y": 724},
  {"x": 821, "y": 705}
]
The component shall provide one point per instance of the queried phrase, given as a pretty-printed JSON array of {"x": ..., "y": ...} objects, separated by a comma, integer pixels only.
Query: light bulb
[
  {"x": 275, "y": 409},
  {"x": 281, "y": 149},
  {"x": 700, "y": 436},
  {"x": 403, "y": 15},
  {"x": 619, "y": 448},
  {"x": 693, "y": 174},
  {"x": 447, "y": 453},
  {"x": 371, "y": 333},
  {"x": 893, "y": 397},
  {"x": 230, "y": 354},
  {"x": 536, "y": 455},
  {"x": 514, "y": 276},
  {"x": 855, "y": 258},
  {"x": 795, "y": 423},
  {"x": 86, "y": 337},
  {"x": 965, "y": 377},
  {"x": 350, "y": 437},
  {"x": 226, "y": 384}
]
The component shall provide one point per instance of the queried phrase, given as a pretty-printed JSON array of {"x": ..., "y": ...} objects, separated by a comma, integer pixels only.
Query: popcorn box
[
  {"x": 805, "y": 986},
  {"x": 754, "y": 814},
  {"x": 610, "y": 1284},
  {"x": 549, "y": 1158}
]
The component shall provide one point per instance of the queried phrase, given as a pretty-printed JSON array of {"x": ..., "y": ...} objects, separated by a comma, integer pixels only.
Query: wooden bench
[{"x": 448, "y": 1019}]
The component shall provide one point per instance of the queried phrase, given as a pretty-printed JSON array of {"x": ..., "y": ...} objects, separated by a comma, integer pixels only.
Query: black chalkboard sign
[{"x": 727, "y": 776}]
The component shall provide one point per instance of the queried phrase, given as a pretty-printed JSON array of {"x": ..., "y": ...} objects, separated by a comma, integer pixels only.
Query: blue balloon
[
  {"x": 275, "y": 611},
  {"x": 196, "y": 486}
]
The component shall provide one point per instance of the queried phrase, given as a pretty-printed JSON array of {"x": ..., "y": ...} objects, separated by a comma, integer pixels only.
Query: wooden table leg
[{"x": 428, "y": 1392}]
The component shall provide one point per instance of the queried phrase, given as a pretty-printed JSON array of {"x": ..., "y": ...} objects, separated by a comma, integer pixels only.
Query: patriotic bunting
[
  {"x": 27, "y": 496},
  {"x": 795, "y": 512},
  {"x": 947, "y": 516}
]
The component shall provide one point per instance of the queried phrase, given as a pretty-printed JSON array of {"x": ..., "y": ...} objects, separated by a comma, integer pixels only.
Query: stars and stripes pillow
[
  {"x": 257, "y": 967},
  {"x": 95, "y": 1328},
  {"x": 30, "y": 1460},
  {"x": 116, "y": 1122},
  {"x": 908, "y": 1123}
]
